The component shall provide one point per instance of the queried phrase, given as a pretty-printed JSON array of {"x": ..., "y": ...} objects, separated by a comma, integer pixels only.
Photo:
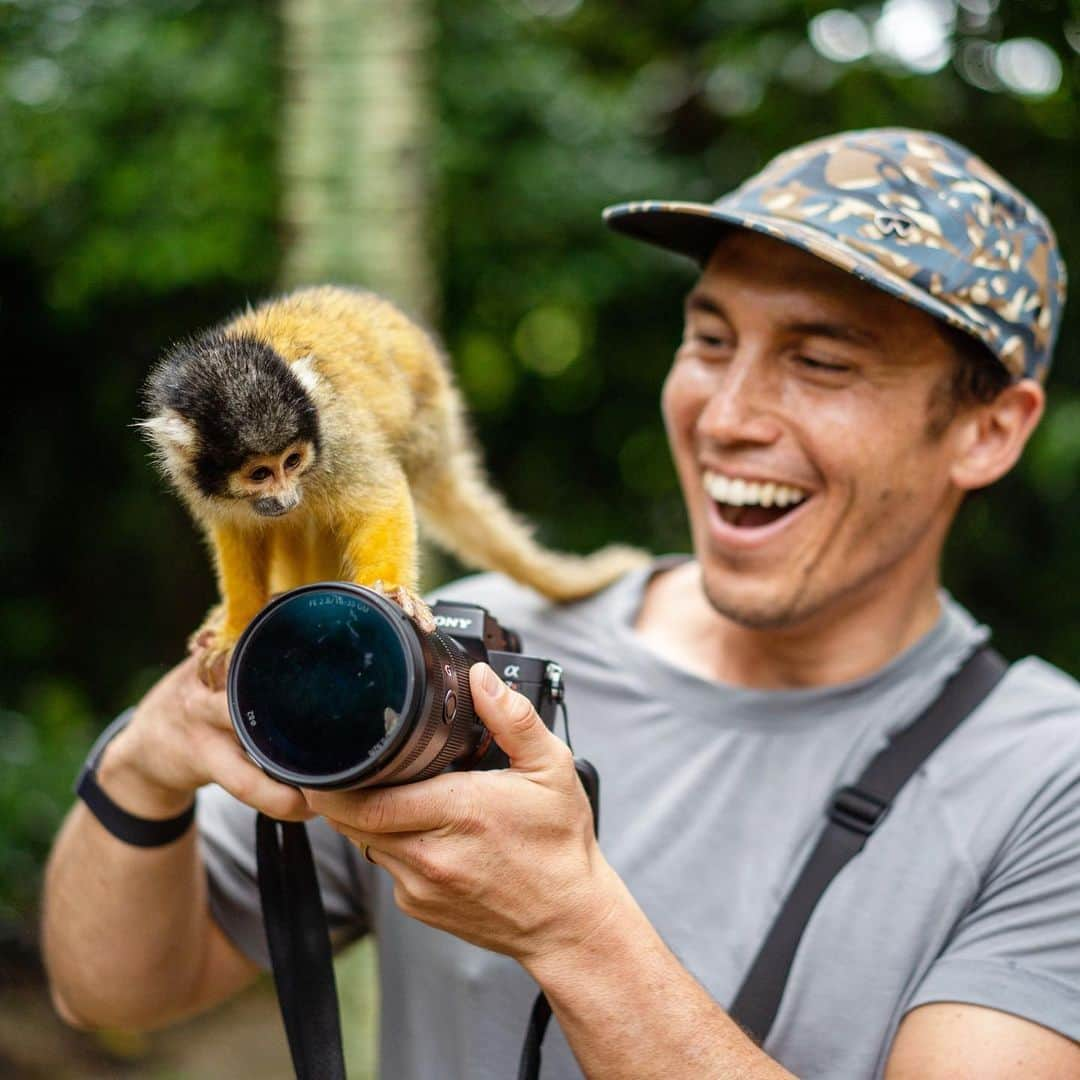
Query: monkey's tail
[{"x": 463, "y": 514}]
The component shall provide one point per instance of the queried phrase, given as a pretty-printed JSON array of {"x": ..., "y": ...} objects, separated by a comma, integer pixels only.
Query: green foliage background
[{"x": 138, "y": 202}]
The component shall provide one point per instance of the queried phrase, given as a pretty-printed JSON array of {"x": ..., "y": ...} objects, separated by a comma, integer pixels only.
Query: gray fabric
[{"x": 711, "y": 798}]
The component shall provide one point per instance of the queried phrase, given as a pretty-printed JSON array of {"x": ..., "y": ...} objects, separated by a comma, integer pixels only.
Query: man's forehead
[{"x": 748, "y": 266}]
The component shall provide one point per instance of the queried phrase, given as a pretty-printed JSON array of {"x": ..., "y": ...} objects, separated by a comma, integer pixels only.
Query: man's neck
[{"x": 854, "y": 638}]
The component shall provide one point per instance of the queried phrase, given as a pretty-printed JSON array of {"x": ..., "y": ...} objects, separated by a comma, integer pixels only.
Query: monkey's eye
[
  {"x": 260, "y": 474},
  {"x": 292, "y": 461}
]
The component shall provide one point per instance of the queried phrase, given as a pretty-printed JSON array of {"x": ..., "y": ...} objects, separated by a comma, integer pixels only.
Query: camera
[{"x": 332, "y": 686}]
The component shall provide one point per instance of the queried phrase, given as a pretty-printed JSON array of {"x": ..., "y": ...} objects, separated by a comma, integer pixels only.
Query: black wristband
[{"x": 139, "y": 831}]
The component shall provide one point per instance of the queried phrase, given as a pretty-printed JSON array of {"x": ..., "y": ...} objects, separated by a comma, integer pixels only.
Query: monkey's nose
[{"x": 271, "y": 507}]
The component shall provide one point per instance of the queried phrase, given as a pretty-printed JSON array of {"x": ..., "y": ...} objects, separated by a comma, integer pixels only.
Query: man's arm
[
  {"x": 508, "y": 861},
  {"x": 954, "y": 1041},
  {"x": 128, "y": 937}
]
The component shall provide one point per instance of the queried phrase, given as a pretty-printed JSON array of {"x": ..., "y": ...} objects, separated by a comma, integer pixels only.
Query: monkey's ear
[
  {"x": 169, "y": 430},
  {"x": 304, "y": 370}
]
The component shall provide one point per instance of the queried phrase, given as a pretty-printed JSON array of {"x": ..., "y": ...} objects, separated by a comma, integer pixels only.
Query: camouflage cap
[{"x": 910, "y": 212}]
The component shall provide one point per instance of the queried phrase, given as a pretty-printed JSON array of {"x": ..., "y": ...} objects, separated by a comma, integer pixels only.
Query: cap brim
[{"x": 693, "y": 230}]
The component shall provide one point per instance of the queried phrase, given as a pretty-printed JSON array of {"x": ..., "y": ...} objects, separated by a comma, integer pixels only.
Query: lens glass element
[{"x": 322, "y": 682}]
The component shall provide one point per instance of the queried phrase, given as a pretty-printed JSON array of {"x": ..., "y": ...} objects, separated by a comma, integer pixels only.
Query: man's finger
[
  {"x": 246, "y": 782},
  {"x": 510, "y": 717},
  {"x": 429, "y": 804}
]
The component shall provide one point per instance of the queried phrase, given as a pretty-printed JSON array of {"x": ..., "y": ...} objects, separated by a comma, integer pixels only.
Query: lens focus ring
[{"x": 462, "y": 723}]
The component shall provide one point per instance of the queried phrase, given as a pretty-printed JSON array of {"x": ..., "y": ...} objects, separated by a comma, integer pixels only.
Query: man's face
[{"x": 799, "y": 386}]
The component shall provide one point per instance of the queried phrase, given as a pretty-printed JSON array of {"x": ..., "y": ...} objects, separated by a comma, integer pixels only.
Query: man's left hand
[{"x": 505, "y": 859}]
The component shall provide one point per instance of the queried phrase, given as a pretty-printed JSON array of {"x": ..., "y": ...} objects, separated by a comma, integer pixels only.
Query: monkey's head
[{"x": 234, "y": 426}]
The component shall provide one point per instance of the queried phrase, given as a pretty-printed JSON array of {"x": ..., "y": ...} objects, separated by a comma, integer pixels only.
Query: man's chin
[{"x": 753, "y": 612}]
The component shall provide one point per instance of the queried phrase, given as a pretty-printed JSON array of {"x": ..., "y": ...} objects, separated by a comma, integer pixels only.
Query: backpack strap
[{"x": 854, "y": 812}]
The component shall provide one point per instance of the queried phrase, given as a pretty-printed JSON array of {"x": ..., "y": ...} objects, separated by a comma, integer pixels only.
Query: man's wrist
[
  {"x": 601, "y": 927},
  {"x": 123, "y": 777}
]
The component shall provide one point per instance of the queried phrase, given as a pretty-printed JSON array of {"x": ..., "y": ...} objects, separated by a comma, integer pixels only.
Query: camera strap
[
  {"x": 540, "y": 1017},
  {"x": 854, "y": 812},
  {"x": 300, "y": 953}
]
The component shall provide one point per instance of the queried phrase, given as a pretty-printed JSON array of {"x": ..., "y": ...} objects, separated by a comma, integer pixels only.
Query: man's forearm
[
  {"x": 125, "y": 927},
  {"x": 631, "y": 1011}
]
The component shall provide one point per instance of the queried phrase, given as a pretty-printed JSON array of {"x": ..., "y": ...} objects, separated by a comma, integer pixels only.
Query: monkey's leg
[
  {"x": 380, "y": 551},
  {"x": 241, "y": 558}
]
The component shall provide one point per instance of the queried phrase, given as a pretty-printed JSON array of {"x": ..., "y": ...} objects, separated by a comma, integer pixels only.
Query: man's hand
[
  {"x": 506, "y": 859},
  {"x": 128, "y": 936},
  {"x": 179, "y": 739}
]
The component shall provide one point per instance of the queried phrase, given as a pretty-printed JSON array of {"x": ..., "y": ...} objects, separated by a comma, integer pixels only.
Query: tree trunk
[
  {"x": 356, "y": 171},
  {"x": 356, "y": 157}
]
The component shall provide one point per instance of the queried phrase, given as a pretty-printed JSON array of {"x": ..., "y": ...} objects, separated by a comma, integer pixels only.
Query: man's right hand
[{"x": 179, "y": 739}]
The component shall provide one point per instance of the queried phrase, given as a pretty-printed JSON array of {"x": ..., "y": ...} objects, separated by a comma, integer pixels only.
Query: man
[{"x": 864, "y": 347}]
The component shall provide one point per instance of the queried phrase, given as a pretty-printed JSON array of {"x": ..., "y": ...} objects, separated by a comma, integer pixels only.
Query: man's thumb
[{"x": 511, "y": 719}]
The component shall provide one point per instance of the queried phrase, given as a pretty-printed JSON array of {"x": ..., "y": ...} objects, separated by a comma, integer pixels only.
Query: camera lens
[{"x": 331, "y": 686}]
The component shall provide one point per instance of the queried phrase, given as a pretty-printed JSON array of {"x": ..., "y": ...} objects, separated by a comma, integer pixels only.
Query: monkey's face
[{"x": 272, "y": 483}]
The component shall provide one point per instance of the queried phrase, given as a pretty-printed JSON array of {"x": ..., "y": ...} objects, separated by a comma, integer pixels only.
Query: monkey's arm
[
  {"x": 380, "y": 549},
  {"x": 242, "y": 564}
]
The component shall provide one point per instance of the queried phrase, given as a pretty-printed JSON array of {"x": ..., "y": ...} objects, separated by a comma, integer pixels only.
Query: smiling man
[{"x": 865, "y": 346}]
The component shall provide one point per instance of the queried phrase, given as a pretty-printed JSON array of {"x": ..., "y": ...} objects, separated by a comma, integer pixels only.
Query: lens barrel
[{"x": 332, "y": 686}]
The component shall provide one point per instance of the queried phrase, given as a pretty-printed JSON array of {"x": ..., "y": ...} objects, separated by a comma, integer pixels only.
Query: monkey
[{"x": 309, "y": 436}]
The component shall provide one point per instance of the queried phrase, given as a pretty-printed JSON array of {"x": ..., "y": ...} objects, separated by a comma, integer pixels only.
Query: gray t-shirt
[{"x": 711, "y": 798}]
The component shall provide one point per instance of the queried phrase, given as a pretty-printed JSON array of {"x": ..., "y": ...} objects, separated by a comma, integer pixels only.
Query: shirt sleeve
[
  {"x": 1017, "y": 949},
  {"x": 227, "y": 835}
]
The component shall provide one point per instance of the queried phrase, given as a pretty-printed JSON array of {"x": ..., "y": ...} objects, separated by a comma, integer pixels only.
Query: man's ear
[{"x": 992, "y": 436}]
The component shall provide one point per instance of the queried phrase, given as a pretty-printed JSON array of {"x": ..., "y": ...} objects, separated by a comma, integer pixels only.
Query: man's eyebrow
[
  {"x": 839, "y": 330},
  {"x": 699, "y": 301}
]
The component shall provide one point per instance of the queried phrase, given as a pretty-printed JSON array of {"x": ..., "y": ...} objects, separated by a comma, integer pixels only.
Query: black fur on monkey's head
[{"x": 217, "y": 400}]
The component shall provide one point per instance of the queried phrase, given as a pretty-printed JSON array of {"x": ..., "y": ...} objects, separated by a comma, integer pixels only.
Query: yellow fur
[{"x": 393, "y": 436}]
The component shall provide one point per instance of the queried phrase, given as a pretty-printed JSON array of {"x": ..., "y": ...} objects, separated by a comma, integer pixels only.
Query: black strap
[
  {"x": 529, "y": 1062},
  {"x": 300, "y": 953},
  {"x": 853, "y": 814},
  {"x": 138, "y": 831}
]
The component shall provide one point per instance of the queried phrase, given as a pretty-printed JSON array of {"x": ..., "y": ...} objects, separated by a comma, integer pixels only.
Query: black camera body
[
  {"x": 483, "y": 639},
  {"x": 331, "y": 686}
]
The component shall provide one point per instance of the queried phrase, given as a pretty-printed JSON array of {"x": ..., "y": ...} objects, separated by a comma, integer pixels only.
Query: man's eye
[
  {"x": 711, "y": 340},
  {"x": 823, "y": 365}
]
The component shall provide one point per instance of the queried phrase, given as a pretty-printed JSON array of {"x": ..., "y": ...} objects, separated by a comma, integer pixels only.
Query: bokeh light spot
[
  {"x": 839, "y": 35},
  {"x": 916, "y": 33},
  {"x": 1028, "y": 67},
  {"x": 548, "y": 339}
]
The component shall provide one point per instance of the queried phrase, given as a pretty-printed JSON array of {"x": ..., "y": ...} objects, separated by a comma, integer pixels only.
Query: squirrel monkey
[{"x": 305, "y": 436}]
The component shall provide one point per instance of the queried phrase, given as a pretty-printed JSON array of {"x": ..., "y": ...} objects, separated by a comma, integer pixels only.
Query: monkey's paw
[
  {"x": 212, "y": 650},
  {"x": 410, "y": 602},
  {"x": 209, "y": 631}
]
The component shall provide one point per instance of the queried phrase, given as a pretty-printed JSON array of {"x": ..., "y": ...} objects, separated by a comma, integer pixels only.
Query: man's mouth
[{"x": 752, "y": 504}]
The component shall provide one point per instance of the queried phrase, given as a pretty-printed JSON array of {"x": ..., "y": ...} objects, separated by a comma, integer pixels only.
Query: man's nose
[{"x": 743, "y": 405}]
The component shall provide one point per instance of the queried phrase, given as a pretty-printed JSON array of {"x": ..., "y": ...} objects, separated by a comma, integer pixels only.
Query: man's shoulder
[
  {"x": 512, "y": 603},
  {"x": 1034, "y": 690},
  {"x": 489, "y": 591},
  {"x": 1023, "y": 739}
]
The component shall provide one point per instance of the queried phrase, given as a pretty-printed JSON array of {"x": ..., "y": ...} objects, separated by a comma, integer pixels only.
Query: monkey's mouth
[{"x": 267, "y": 507}]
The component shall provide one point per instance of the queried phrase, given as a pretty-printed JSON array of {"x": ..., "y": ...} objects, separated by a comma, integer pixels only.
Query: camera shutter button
[{"x": 449, "y": 707}]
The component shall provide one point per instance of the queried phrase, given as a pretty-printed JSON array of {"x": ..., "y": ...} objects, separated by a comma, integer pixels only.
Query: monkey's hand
[
  {"x": 211, "y": 626},
  {"x": 410, "y": 602},
  {"x": 212, "y": 648}
]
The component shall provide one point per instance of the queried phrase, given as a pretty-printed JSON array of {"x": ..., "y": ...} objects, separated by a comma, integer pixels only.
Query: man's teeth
[{"x": 750, "y": 493}]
